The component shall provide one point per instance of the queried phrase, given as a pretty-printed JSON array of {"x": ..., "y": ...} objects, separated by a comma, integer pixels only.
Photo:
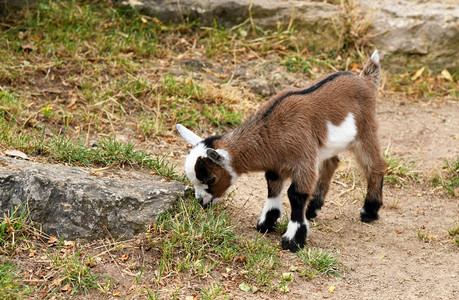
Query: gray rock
[
  {"x": 317, "y": 24},
  {"x": 415, "y": 32},
  {"x": 75, "y": 204}
]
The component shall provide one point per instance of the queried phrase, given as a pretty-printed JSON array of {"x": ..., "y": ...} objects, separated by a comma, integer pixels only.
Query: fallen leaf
[
  {"x": 116, "y": 293},
  {"x": 32, "y": 252},
  {"x": 52, "y": 240},
  {"x": 66, "y": 288},
  {"x": 418, "y": 73},
  {"x": 125, "y": 257},
  {"x": 241, "y": 258},
  {"x": 446, "y": 75},
  {"x": 28, "y": 47},
  {"x": 16, "y": 153},
  {"x": 355, "y": 67},
  {"x": 244, "y": 287},
  {"x": 170, "y": 140},
  {"x": 69, "y": 244}
]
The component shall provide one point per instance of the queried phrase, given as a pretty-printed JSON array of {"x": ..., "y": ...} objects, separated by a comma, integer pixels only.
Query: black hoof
[
  {"x": 298, "y": 241},
  {"x": 368, "y": 217},
  {"x": 311, "y": 214},
  {"x": 291, "y": 245},
  {"x": 266, "y": 228},
  {"x": 269, "y": 224}
]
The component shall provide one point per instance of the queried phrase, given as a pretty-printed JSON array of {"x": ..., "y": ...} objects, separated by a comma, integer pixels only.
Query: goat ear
[
  {"x": 215, "y": 157},
  {"x": 189, "y": 136}
]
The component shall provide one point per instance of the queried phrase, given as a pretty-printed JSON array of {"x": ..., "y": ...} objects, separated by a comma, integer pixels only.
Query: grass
[
  {"x": 72, "y": 275},
  {"x": 295, "y": 63},
  {"x": 454, "y": 233},
  {"x": 11, "y": 286},
  {"x": 320, "y": 262},
  {"x": 399, "y": 171},
  {"x": 202, "y": 243},
  {"x": 449, "y": 179},
  {"x": 114, "y": 73},
  {"x": 198, "y": 241},
  {"x": 75, "y": 74},
  {"x": 14, "y": 227}
]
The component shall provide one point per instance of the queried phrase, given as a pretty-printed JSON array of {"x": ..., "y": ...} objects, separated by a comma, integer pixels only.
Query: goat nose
[{"x": 201, "y": 202}]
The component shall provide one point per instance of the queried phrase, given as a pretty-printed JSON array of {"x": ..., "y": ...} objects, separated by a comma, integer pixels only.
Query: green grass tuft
[
  {"x": 10, "y": 285},
  {"x": 454, "y": 233},
  {"x": 74, "y": 275},
  {"x": 14, "y": 227},
  {"x": 450, "y": 180},
  {"x": 295, "y": 63},
  {"x": 399, "y": 171},
  {"x": 320, "y": 261}
]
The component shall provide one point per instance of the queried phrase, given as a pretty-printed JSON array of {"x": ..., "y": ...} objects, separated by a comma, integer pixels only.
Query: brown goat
[{"x": 297, "y": 134}]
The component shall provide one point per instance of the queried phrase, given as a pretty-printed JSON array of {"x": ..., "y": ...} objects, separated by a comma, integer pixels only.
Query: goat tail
[{"x": 371, "y": 69}]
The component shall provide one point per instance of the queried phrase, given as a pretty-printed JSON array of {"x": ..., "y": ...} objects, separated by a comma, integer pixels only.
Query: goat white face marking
[
  {"x": 271, "y": 203},
  {"x": 201, "y": 189},
  {"x": 190, "y": 162},
  {"x": 338, "y": 137},
  {"x": 292, "y": 229}
]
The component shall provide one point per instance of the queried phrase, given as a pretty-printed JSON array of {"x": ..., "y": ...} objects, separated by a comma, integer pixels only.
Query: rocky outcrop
[
  {"x": 317, "y": 24},
  {"x": 77, "y": 204},
  {"x": 415, "y": 32}
]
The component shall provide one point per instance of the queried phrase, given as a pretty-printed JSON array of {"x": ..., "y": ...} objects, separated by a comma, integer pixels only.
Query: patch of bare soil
[{"x": 387, "y": 259}]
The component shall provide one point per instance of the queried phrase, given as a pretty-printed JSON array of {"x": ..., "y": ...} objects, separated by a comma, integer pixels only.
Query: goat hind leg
[
  {"x": 323, "y": 184},
  {"x": 272, "y": 209},
  {"x": 374, "y": 166}
]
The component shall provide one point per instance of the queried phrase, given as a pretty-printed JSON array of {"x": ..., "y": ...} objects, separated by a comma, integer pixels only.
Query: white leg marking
[
  {"x": 271, "y": 203},
  {"x": 292, "y": 228}
]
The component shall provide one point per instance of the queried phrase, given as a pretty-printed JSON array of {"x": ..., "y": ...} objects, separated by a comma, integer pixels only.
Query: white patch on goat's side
[
  {"x": 338, "y": 137},
  {"x": 271, "y": 203},
  {"x": 292, "y": 228}
]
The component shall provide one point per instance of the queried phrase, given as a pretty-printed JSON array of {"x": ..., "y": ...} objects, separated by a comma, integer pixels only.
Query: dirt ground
[
  {"x": 407, "y": 254},
  {"x": 386, "y": 259}
]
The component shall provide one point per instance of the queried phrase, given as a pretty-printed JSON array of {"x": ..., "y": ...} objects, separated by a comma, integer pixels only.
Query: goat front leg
[
  {"x": 272, "y": 209},
  {"x": 323, "y": 184},
  {"x": 297, "y": 231}
]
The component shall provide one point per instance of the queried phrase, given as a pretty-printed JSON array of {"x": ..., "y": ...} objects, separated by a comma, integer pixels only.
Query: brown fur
[{"x": 287, "y": 142}]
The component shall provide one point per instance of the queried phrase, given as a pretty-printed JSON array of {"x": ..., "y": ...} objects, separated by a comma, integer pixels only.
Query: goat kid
[{"x": 297, "y": 134}]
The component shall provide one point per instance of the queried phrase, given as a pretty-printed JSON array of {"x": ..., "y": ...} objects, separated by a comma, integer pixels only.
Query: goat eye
[{"x": 211, "y": 180}]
